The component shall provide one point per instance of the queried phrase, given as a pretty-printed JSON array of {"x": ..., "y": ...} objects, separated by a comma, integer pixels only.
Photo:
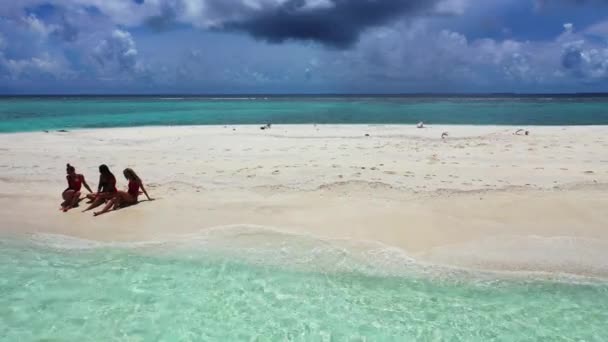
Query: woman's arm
[
  {"x": 84, "y": 182},
  {"x": 67, "y": 178},
  {"x": 141, "y": 185}
]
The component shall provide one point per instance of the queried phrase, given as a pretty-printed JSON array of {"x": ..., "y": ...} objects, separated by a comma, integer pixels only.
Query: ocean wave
[
  {"x": 258, "y": 245},
  {"x": 270, "y": 246}
]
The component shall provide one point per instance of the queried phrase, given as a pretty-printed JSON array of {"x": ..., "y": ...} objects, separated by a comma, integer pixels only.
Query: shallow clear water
[
  {"x": 47, "y": 113},
  {"x": 110, "y": 292}
]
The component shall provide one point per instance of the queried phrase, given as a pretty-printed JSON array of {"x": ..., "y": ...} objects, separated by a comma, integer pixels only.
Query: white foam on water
[
  {"x": 487, "y": 260},
  {"x": 60, "y": 241}
]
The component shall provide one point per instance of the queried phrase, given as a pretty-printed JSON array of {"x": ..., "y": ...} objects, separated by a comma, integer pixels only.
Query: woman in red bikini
[
  {"x": 105, "y": 190},
  {"x": 125, "y": 199},
  {"x": 71, "y": 195}
]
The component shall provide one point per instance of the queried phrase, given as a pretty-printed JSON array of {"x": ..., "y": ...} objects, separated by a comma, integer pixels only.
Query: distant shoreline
[
  {"x": 316, "y": 95},
  {"x": 326, "y": 125},
  {"x": 39, "y": 113}
]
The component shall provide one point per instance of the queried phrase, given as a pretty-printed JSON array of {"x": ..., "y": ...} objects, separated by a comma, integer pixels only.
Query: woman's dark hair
[
  {"x": 70, "y": 168},
  {"x": 104, "y": 170}
]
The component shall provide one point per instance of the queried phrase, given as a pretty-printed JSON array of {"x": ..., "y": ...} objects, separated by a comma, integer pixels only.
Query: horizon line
[{"x": 410, "y": 94}]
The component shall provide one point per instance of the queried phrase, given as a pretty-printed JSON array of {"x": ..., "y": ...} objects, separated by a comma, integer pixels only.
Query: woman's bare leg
[
  {"x": 125, "y": 199},
  {"x": 107, "y": 208},
  {"x": 67, "y": 198},
  {"x": 73, "y": 201},
  {"x": 96, "y": 203},
  {"x": 116, "y": 202},
  {"x": 99, "y": 200}
]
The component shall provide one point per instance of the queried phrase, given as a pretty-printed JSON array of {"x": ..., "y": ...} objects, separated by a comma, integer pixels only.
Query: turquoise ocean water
[
  {"x": 47, "y": 113},
  {"x": 69, "y": 290}
]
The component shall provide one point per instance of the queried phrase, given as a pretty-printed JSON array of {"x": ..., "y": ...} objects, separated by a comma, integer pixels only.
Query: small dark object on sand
[
  {"x": 62, "y": 130},
  {"x": 266, "y": 126},
  {"x": 367, "y": 135}
]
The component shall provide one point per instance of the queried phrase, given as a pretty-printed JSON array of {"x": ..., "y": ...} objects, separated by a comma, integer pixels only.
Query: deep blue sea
[{"x": 56, "y": 112}]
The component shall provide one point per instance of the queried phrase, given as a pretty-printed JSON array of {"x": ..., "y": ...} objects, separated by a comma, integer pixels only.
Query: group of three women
[{"x": 106, "y": 191}]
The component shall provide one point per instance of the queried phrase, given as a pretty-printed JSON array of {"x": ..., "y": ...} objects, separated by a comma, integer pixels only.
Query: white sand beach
[{"x": 482, "y": 198}]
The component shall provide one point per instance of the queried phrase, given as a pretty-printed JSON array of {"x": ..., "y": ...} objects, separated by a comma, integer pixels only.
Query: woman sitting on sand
[
  {"x": 71, "y": 195},
  {"x": 105, "y": 190},
  {"x": 124, "y": 199}
]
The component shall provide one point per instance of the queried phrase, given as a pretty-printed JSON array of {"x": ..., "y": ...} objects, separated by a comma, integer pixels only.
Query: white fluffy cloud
[
  {"x": 414, "y": 54},
  {"x": 599, "y": 29},
  {"x": 43, "y": 65},
  {"x": 416, "y": 57},
  {"x": 37, "y": 26},
  {"x": 117, "y": 53},
  {"x": 584, "y": 58},
  {"x": 452, "y": 6},
  {"x": 34, "y": 68}
]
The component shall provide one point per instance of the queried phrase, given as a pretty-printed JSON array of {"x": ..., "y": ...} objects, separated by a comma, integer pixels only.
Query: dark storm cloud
[{"x": 338, "y": 25}]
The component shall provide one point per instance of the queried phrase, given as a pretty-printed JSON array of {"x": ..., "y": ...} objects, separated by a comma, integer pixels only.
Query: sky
[{"x": 303, "y": 46}]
